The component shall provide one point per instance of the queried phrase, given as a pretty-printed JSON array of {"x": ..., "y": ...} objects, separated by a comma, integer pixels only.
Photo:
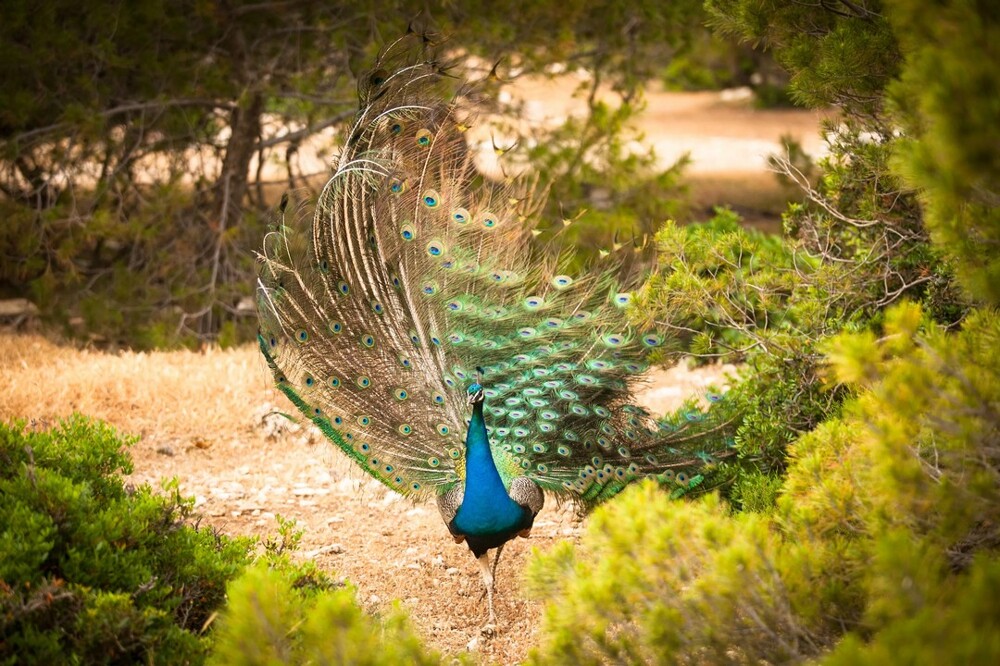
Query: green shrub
[
  {"x": 658, "y": 581},
  {"x": 885, "y": 544},
  {"x": 93, "y": 570},
  {"x": 747, "y": 296},
  {"x": 945, "y": 100},
  {"x": 272, "y": 618},
  {"x": 858, "y": 242},
  {"x": 99, "y": 572}
]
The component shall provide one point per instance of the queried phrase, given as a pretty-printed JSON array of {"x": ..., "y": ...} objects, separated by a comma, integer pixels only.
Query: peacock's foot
[{"x": 489, "y": 630}]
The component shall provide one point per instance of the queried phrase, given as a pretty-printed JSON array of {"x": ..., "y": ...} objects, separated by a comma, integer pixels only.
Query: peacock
[{"x": 416, "y": 295}]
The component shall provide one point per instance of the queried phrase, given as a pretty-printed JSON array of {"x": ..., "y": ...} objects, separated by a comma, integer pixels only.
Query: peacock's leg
[
  {"x": 496, "y": 561},
  {"x": 484, "y": 566}
]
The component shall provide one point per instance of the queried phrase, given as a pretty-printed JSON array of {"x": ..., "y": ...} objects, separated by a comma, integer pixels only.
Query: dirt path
[
  {"x": 387, "y": 546},
  {"x": 722, "y": 131}
]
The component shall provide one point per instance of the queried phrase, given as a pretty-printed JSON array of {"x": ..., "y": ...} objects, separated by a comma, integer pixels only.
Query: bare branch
[
  {"x": 128, "y": 108},
  {"x": 289, "y": 137}
]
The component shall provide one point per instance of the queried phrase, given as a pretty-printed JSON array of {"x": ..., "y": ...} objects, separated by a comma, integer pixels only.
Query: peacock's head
[{"x": 476, "y": 394}]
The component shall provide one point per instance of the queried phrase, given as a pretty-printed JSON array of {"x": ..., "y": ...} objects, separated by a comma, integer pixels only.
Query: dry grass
[
  {"x": 177, "y": 394},
  {"x": 173, "y": 394}
]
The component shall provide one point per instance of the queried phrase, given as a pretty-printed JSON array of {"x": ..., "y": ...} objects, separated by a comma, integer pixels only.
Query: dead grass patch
[{"x": 174, "y": 393}]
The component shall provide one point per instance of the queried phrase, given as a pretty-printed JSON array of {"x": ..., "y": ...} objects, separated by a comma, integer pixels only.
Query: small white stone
[{"x": 334, "y": 548}]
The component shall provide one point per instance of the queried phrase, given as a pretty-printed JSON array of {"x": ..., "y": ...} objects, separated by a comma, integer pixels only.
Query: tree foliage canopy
[{"x": 142, "y": 143}]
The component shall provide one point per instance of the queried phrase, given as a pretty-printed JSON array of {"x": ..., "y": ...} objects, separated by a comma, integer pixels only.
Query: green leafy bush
[
  {"x": 93, "y": 570},
  {"x": 722, "y": 289},
  {"x": 657, "y": 581},
  {"x": 273, "y": 618},
  {"x": 725, "y": 291}
]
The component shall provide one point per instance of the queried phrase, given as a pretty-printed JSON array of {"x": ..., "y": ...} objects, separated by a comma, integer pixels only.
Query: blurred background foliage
[
  {"x": 857, "y": 522},
  {"x": 135, "y": 138}
]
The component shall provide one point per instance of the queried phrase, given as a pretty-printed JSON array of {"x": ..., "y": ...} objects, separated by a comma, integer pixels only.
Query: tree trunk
[{"x": 231, "y": 190}]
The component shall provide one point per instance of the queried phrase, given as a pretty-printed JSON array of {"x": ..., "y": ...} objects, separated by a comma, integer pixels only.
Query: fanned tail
[{"x": 416, "y": 274}]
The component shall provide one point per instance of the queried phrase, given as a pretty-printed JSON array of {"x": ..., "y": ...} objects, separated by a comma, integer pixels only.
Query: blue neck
[{"x": 486, "y": 507}]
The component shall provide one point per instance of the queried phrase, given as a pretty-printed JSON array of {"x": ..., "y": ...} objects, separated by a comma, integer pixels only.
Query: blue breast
[
  {"x": 486, "y": 507},
  {"x": 487, "y": 513}
]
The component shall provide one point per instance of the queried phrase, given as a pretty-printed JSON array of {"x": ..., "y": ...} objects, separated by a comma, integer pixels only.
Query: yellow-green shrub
[
  {"x": 888, "y": 523},
  {"x": 272, "y": 618}
]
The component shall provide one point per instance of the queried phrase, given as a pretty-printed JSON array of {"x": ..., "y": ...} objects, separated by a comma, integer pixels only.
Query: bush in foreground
[
  {"x": 95, "y": 571},
  {"x": 272, "y": 618},
  {"x": 884, "y": 545}
]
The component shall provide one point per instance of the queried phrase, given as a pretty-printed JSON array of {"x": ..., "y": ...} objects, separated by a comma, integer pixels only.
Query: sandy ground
[
  {"x": 207, "y": 420},
  {"x": 722, "y": 131}
]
